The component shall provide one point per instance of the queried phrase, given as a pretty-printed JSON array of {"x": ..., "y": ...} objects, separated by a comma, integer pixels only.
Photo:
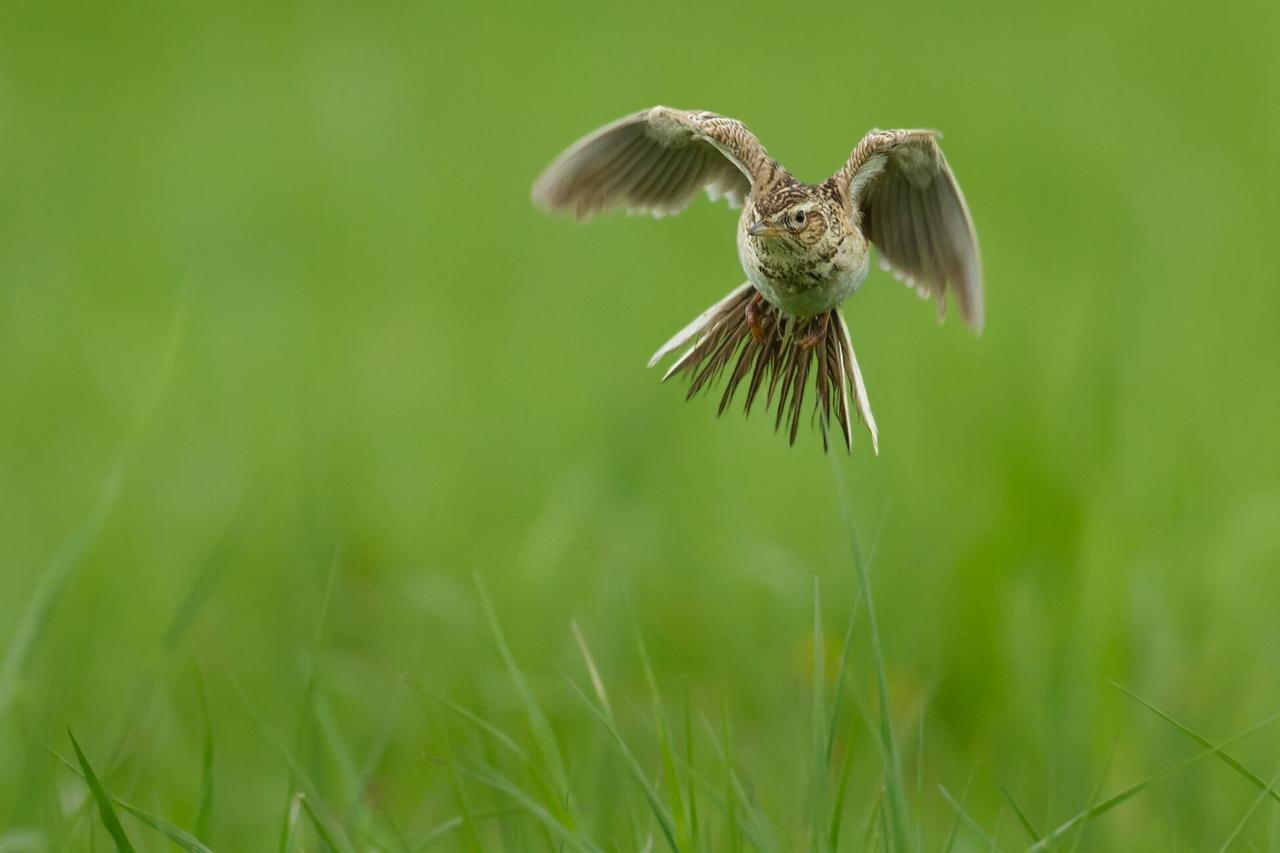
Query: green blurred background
[{"x": 275, "y": 266}]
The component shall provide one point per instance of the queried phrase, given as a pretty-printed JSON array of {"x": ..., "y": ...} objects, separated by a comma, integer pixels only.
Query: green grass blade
[
  {"x": 66, "y": 560},
  {"x": 336, "y": 746},
  {"x": 538, "y": 722},
  {"x": 964, "y": 798},
  {"x": 105, "y": 809},
  {"x": 299, "y": 774},
  {"x": 1097, "y": 791},
  {"x": 531, "y": 806},
  {"x": 842, "y": 670},
  {"x": 453, "y": 824},
  {"x": 730, "y": 795},
  {"x": 660, "y": 813},
  {"x": 964, "y": 815},
  {"x": 819, "y": 758},
  {"x": 837, "y": 807},
  {"x": 1253, "y": 807},
  {"x": 1022, "y": 817},
  {"x": 291, "y": 815},
  {"x": 688, "y": 759},
  {"x": 48, "y": 591},
  {"x": 216, "y": 565},
  {"x": 895, "y": 793},
  {"x": 1226, "y": 759},
  {"x": 747, "y": 820},
  {"x": 204, "y": 800},
  {"x": 178, "y": 836},
  {"x": 597, "y": 683},
  {"x": 464, "y": 805},
  {"x": 322, "y": 826},
  {"x": 665, "y": 750},
  {"x": 367, "y": 770},
  {"x": 482, "y": 725},
  {"x": 716, "y": 797},
  {"x": 1109, "y": 804}
]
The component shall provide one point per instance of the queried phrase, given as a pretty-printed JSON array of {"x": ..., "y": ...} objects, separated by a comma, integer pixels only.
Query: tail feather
[{"x": 722, "y": 340}]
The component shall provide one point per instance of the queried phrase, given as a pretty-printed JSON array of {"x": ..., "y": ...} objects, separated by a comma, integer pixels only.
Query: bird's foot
[
  {"x": 816, "y": 337},
  {"x": 754, "y": 321}
]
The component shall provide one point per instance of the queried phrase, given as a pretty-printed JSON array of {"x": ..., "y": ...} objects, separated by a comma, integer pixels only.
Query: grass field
[{"x": 338, "y": 510}]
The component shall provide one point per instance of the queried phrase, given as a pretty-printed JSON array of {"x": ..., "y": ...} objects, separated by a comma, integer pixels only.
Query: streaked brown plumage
[{"x": 804, "y": 247}]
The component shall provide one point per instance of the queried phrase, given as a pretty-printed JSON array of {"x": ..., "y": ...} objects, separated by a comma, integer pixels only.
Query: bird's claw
[
  {"x": 754, "y": 321},
  {"x": 815, "y": 337}
]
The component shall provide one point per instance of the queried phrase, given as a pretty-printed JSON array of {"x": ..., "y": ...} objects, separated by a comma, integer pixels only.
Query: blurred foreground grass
[{"x": 286, "y": 360}]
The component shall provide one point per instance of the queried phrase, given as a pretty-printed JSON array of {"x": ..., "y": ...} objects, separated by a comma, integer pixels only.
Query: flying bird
[{"x": 804, "y": 247}]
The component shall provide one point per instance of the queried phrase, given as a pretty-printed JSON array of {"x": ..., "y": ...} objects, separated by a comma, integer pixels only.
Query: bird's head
[{"x": 796, "y": 216}]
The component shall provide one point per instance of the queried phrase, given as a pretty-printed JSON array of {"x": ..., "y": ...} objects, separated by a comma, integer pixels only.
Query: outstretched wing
[
  {"x": 907, "y": 202},
  {"x": 655, "y": 162}
]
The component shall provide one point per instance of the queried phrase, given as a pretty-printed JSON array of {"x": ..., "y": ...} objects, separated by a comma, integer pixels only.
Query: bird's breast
[{"x": 808, "y": 282}]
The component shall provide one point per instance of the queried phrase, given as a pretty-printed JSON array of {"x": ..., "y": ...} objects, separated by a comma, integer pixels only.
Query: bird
[{"x": 804, "y": 248}]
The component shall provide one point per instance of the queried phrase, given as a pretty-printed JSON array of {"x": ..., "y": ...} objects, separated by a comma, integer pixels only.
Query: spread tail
[{"x": 780, "y": 362}]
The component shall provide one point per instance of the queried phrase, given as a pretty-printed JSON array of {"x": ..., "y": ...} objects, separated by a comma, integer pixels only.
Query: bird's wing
[
  {"x": 655, "y": 162},
  {"x": 905, "y": 199}
]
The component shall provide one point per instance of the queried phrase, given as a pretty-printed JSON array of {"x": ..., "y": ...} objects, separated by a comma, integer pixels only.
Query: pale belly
[{"x": 803, "y": 295}]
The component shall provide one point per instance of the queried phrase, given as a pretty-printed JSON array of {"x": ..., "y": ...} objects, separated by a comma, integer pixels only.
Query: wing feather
[
  {"x": 905, "y": 198},
  {"x": 655, "y": 161}
]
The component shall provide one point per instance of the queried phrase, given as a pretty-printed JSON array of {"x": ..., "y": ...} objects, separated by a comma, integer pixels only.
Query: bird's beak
[{"x": 760, "y": 228}]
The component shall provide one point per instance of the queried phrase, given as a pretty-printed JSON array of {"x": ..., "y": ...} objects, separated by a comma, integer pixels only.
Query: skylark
[{"x": 804, "y": 247}]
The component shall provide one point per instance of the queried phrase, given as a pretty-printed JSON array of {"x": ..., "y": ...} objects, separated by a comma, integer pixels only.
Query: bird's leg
[
  {"x": 817, "y": 335},
  {"x": 753, "y": 317}
]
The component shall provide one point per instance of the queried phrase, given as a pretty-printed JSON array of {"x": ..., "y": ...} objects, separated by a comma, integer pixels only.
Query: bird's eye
[{"x": 798, "y": 217}]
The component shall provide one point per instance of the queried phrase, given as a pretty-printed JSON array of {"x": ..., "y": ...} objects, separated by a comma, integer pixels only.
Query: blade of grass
[
  {"x": 871, "y": 829},
  {"x": 597, "y": 683},
  {"x": 67, "y": 559},
  {"x": 1230, "y": 761},
  {"x": 215, "y": 567},
  {"x": 531, "y": 806},
  {"x": 688, "y": 758},
  {"x": 843, "y": 668},
  {"x": 730, "y": 795},
  {"x": 453, "y": 824},
  {"x": 460, "y": 796},
  {"x": 1253, "y": 807},
  {"x": 665, "y": 750},
  {"x": 298, "y": 774},
  {"x": 1102, "y": 808},
  {"x": 538, "y": 722},
  {"x": 665, "y": 822},
  {"x": 304, "y": 711},
  {"x": 716, "y": 798},
  {"x": 892, "y": 767},
  {"x": 837, "y": 808},
  {"x": 321, "y": 826},
  {"x": 748, "y": 819},
  {"x": 204, "y": 800},
  {"x": 1022, "y": 817},
  {"x": 105, "y": 809},
  {"x": 291, "y": 815},
  {"x": 964, "y": 798},
  {"x": 820, "y": 757},
  {"x": 964, "y": 815},
  {"x": 483, "y": 726},
  {"x": 373, "y": 761},
  {"x": 920, "y": 777},
  {"x": 336, "y": 745},
  {"x": 1097, "y": 791}
]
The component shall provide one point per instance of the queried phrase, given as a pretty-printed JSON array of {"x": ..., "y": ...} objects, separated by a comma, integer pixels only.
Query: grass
[{"x": 695, "y": 795}]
